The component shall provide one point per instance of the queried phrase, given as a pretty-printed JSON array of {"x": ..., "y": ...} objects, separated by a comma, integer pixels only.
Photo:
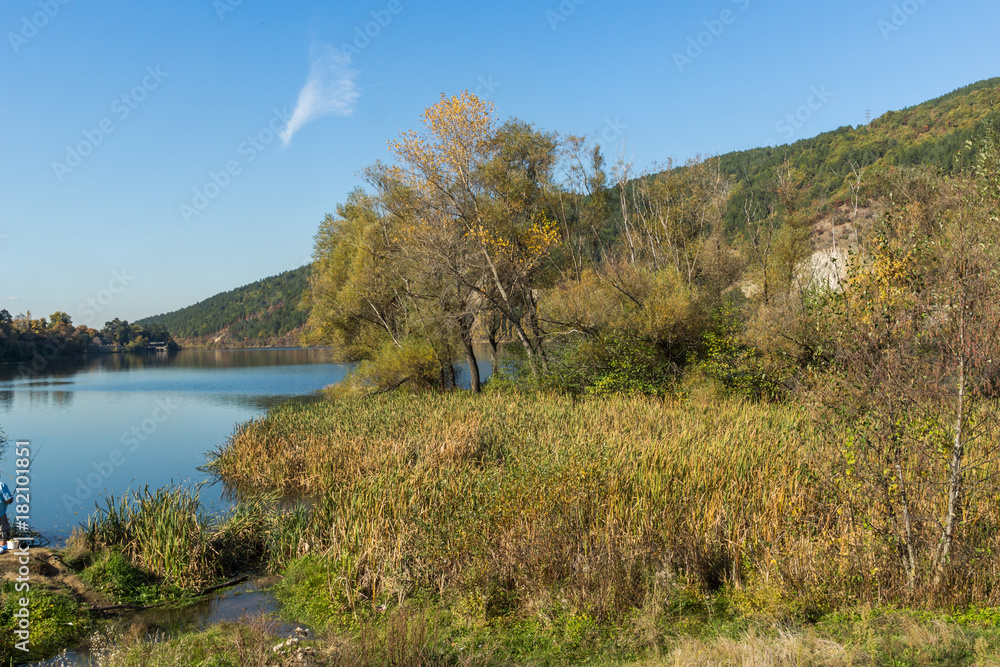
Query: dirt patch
[
  {"x": 839, "y": 228},
  {"x": 48, "y": 572}
]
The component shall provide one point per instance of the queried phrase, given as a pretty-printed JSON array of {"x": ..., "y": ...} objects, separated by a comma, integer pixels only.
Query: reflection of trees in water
[
  {"x": 62, "y": 399},
  {"x": 46, "y": 398},
  {"x": 259, "y": 403},
  {"x": 65, "y": 368},
  {"x": 251, "y": 358},
  {"x": 38, "y": 398}
]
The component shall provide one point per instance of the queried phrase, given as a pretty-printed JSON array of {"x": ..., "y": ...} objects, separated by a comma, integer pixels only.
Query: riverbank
[
  {"x": 56, "y": 599},
  {"x": 532, "y": 529},
  {"x": 87, "y": 606},
  {"x": 406, "y": 636}
]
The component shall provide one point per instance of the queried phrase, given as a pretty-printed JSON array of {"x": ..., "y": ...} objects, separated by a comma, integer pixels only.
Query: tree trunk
[
  {"x": 494, "y": 353},
  {"x": 494, "y": 322},
  {"x": 536, "y": 331},
  {"x": 909, "y": 557},
  {"x": 954, "y": 514},
  {"x": 465, "y": 330}
]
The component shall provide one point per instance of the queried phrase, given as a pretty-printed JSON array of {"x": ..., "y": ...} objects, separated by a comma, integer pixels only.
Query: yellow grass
[{"x": 501, "y": 500}]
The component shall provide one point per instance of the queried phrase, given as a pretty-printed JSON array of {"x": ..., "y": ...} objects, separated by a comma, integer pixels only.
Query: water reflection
[
  {"x": 41, "y": 398},
  {"x": 116, "y": 363},
  {"x": 247, "y": 599}
]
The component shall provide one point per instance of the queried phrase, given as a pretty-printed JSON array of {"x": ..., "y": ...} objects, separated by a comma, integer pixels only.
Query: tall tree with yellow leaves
[{"x": 470, "y": 194}]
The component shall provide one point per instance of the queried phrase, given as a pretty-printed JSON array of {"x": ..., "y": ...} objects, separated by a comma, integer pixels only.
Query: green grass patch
[
  {"x": 113, "y": 574},
  {"x": 56, "y": 621}
]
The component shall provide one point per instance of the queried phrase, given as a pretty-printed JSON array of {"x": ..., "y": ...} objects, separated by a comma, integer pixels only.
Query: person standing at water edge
[{"x": 6, "y": 498}]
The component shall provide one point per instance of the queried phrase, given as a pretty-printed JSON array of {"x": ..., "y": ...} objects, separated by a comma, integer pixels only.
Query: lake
[{"x": 111, "y": 423}]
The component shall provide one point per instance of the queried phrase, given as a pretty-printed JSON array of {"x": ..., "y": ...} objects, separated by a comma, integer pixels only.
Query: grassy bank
[
  {"x": 453, "y": 529},
  {"x": 424, "y": 638},
  {"x": 54, "y": 617},
  {"x": 612, "y": 525}
]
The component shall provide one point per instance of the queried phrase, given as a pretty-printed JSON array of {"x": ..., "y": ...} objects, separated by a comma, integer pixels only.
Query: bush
[{"x": 412, "y": 364}]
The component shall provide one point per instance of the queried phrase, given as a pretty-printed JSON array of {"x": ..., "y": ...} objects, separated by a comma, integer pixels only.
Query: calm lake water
[{"x": 111, "y": 423}]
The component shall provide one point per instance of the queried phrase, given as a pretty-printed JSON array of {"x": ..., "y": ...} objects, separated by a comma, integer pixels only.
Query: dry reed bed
[{"x": 503, "y": 500}]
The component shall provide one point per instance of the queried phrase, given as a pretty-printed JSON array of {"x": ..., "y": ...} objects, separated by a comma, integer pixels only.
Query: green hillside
[
  {"x": 264, "y": 313},
  {"x": 932, "y": 134}
]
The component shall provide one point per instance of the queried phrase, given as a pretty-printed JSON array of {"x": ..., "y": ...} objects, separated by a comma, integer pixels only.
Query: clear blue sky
[{"x": 200, "y": 77}]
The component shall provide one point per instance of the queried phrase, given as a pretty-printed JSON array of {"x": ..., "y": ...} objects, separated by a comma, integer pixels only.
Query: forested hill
[
  {"x": 933, "y": 133},
  {"x": 261, "y": 314}
]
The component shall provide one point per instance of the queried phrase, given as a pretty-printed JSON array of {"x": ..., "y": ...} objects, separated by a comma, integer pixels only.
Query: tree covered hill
[
  {"x": 934, "y": 133},
  {"x": 264, "y": 313}
]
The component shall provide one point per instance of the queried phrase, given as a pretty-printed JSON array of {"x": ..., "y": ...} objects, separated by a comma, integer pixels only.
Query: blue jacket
[{"x": 6, "y": 497}]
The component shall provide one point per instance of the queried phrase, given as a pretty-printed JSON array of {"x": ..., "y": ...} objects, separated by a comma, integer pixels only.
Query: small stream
[{"x": 246, "y": 600}]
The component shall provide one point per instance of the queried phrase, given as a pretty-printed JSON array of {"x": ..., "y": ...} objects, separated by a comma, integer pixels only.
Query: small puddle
[{"x": 248, "y": 599}]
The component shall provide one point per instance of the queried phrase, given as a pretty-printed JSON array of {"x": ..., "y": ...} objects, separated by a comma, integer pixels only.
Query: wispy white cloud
[{"x": 330, "y": 90}]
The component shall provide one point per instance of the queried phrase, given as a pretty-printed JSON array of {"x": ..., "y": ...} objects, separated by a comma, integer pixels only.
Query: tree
[
  {"x": 59, "y": 319},
  {"x": 354, "y": 298},
  {"x": 368, "y": 301},
  {"x": 469, "y": 200},
  {"x": 668, "y": 218},
  {"x": 580, "y": 205},
  {"x": 759, "y": 233},
  {"x": 916, "y": 368},
  {"x": 117, "y": 332}
]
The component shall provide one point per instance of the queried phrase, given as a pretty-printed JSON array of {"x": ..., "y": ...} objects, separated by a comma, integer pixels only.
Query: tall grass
[
  {"x": 508, "y": 499},
  {"x": 165, "y": 534},
  {"x": 160, "y": 531},
  {"x": 512, "y": 502}
]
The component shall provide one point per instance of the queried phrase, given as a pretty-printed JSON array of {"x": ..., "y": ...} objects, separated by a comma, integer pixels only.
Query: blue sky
[{"x": 142, "y": 164}]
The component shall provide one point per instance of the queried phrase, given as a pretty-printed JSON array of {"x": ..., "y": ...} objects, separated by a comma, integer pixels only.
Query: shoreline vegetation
[
  {"x": 517, "y": 527},
  {"x": 36, "y": 342}
]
